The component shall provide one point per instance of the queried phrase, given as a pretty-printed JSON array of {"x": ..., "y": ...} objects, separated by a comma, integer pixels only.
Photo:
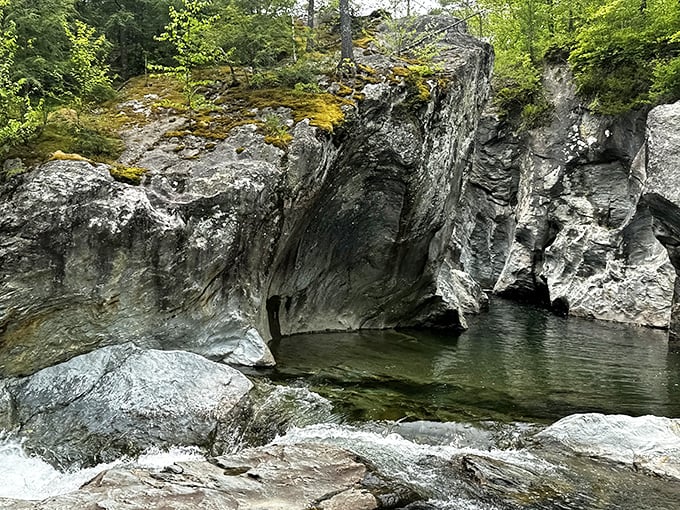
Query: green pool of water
[{"x": 514, "y": 363}]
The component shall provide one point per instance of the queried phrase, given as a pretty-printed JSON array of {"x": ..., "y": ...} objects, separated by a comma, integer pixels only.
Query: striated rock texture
[
  {"x": 367, "y": 248},
  {"x": 553, "y": 218},
  {"x": 273, "y": 477},
  {"x": 661, "y": 190},
  {"x": 120, "y": 400},
  {"x": 230, "y": 242}
]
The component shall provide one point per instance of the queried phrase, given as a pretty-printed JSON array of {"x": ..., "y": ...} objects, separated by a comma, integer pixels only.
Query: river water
[
  {"x": 514, "y": 363},
  {"x": 413, "y": 402}
]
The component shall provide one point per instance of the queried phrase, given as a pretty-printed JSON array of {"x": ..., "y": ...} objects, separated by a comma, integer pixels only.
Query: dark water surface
[{"x": 514, "y": 363}]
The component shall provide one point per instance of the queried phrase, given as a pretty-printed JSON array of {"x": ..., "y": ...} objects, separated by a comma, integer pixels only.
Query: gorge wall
[
  {"x": 229, "y": 242},
  {"x": 558, "y": 216},
  {"x": 397, "y": 219}
]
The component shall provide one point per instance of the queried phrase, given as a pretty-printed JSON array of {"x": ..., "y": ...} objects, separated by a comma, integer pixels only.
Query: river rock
[
  {"x": 558, "y": 211},
  {"x": 650, "y": 443},
  {"x": 661, "y": 193},
  {"x": 274, "y": 477},
  {"x": 228, "y": 243},
  {"x": 121, "y": 400}
]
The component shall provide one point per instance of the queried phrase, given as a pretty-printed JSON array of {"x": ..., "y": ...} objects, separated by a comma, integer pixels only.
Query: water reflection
[{"x": 513, "y": 363}]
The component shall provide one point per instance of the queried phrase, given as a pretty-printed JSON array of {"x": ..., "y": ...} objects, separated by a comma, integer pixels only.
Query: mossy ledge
[{"x": 128, "y": 174}]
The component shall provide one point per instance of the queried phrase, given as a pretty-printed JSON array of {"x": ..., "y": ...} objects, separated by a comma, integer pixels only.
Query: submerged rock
[{"x": 122, "y": 400}]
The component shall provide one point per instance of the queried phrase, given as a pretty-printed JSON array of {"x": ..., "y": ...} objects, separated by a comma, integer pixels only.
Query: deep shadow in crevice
[{"x": 273, "y": 307}]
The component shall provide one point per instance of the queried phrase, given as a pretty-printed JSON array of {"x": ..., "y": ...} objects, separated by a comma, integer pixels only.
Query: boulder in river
[
  {"x": 121, "y": 400},
  {"x": 649, "y": 443}
]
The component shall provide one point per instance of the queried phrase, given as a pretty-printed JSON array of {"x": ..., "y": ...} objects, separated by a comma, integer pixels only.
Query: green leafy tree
[
  {"x": 187, "y": 32},
  {"x": 255, "y": 35},
  {"x": 19, "y": 119},
  {"x": 131, "y": 27},
  {"x": 42, "y": 53},
  {"x": 88, "y": 74},
  {"x": 626, "y": 55}
]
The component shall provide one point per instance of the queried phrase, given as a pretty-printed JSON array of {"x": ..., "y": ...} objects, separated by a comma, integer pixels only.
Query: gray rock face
[
  {"x": 661, "y": 192},
  {"x": 560, "y": 215},
  {"x": 121, "y": 400},
  {"x": 368, "y": 248},
  {"x": 87, "y": 261},
  {"x": 230, "y": 242},
  {"x": 650, "y": 443},
  {"x": 273, "y": 477}
]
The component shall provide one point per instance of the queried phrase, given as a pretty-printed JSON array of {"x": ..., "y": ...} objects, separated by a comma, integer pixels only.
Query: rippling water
[
  {"x": 486, "y": 391},
  {"x": 27, "y": 477},
  {"x": 514, "y": 363}
]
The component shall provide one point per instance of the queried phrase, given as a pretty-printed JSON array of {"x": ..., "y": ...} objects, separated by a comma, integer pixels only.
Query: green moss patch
[{"x": 127, "y": 174}]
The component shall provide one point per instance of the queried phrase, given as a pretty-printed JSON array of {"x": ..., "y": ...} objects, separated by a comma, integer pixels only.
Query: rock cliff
[
  {"x": 231, "y": 241},
  {"x": 555, "y": 216},
  {"x": 660, "y": 174}
]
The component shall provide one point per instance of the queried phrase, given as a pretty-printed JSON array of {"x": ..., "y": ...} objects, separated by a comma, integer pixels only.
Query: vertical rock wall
[
  {"x": 661, "y": 190},
  {"x": 369, "y": 247},
  {"x": 560, "y": 209}
]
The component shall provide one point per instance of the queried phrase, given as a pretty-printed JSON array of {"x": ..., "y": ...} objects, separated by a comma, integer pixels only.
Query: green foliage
[
  {"x": 404, "y": 39},
  {"x": 301, "y": 74},
  {"x": 94, "y": 143},
  {"x": 666, "y": 80},
  {"x": 622, "y": 52},
  {"x": 19, "y": 119},
  {"x": 88, "y": 74},
  {"x": 256, "y": 34},
  {"x": 130, "y": 25},
  {"x": 187, "y": 31},
  {"x": 276, "y": 131},
  {"x": 42, "y": 53}
]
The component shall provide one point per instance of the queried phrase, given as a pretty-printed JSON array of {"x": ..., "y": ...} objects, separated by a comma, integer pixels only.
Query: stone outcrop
[
  {"x": 368, "y": 247},
  {"x": 648, "y": 443},
  {"x": 229, "y": 242},
  {"x": 554, "y": 217},
  {"x": 661, "y": 189},
  {"x": 120, "y": 400},
  {"x": 273, "y": 477}
]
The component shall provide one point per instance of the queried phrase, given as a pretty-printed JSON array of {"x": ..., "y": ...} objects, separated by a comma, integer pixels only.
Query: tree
[
  {"x": 42, "y": 53},
  {"x": 130, "y": 26},
  {"x": 18, "y": 118},
  {"x": 89, "y": 74},
  {"x": 187, "y": 31},
  {"x": 255, "y": 35},
  {"x": 347, "y": 50},
  {"x": 310, "y": 24}
]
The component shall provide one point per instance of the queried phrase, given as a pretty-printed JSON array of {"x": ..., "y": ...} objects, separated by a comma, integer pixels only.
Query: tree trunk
[
  {"x": 310, "y": 25},
  {"x": 347, "y": 52},
  {"x": 124, "y": 65}
]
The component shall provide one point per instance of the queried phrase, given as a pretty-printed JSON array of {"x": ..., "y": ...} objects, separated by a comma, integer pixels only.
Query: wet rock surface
[
  {"x": 648, "y": 443},
  {"x": 121, "y": 400},
  {"x": 661, "y": 194},
  {"x": 273, "y": 477}
]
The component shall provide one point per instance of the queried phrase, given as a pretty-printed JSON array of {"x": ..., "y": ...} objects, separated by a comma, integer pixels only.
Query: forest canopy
[{"x": 623, "y": 53}]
